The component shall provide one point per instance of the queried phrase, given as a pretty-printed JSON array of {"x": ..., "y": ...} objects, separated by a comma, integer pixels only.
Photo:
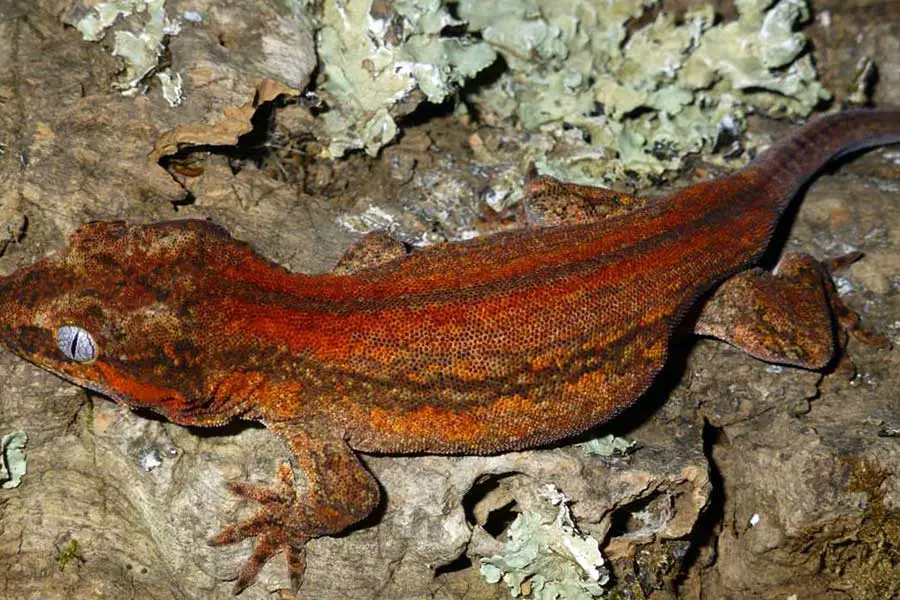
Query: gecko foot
[
  {"x": 339, "y": 492},
  {"x": 848, "y": 319},
  {"x": 273, "y": 527}
]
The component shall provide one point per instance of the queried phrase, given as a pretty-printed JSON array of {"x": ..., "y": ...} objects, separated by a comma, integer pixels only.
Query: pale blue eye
[{"x": 76, "y": 343}]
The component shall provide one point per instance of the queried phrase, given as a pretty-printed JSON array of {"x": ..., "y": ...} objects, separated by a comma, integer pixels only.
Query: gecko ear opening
[{"x": 76, "y": 344}]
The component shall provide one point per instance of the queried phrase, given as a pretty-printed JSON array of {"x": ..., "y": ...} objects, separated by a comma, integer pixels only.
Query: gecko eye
[{"x": 76, "y": 343}]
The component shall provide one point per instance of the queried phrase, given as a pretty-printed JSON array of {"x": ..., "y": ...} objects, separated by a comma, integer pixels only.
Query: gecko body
[{"x": 510, "y": 341}]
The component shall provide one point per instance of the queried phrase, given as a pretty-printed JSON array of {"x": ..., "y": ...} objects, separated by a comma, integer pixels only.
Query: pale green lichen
[
  {"x": 101, "y": 16},
  {"x": 549, "y": 559},
  {"x": 380, "y": 60},
  {"x": 12, "y": 459},
  {"x": 141, "y": 48},
  {"x": 758, "y": 58},
  {"x": 608, "y": 446},
  {"x": 172, "y": 89},
  {"x": 648, "y": 99},
  {"x": 643, "y": 98}
]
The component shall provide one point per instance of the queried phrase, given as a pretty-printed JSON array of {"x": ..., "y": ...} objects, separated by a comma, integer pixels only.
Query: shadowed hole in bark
[
  {"x": 187, "y": 200},
  {"x": 460, "y": 563},
  {"x": 501, "y": 518},
  {"x": 491, "y": 504},
  {"x": 426, "y": 112},
  {"x": 708, "y": 526},
  {"x": 641, "y": 515},
  {"x": 251, "y": 147}
]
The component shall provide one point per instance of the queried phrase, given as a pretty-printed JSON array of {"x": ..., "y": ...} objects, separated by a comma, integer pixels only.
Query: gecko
[{"x": 505, "y": 342}]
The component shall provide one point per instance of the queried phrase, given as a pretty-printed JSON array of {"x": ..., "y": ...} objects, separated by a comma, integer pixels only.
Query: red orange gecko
[{"x": 504, "y": 342}]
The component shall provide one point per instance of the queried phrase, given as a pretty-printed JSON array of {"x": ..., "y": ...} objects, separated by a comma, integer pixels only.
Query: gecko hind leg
[
  {"x": 371, "y": 250},
  {"x": 786, "y": 316},
  {"x": 339, "y": 493},
  {"x": 550, "y": 202}
]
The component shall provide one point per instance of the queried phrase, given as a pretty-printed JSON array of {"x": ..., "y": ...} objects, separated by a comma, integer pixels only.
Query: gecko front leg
[{"x": 340, "y": 492}]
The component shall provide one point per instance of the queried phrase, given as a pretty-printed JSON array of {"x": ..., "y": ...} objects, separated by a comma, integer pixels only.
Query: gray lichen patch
[
  {"x": 641, "y": 99},
  {"x": 12, "y": 459},
  {"x": 138, "y": 30},
  {"x": 589, "y": 91},
  {"x": 547, "y": 559},
  {"x": 608, "y": 446},
  {"x": 380, "y": 61},
  {"x": 646, "y": 99}
]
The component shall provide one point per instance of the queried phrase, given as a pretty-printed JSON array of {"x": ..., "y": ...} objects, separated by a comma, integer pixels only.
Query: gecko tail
[{"x": 789, "y": 164}]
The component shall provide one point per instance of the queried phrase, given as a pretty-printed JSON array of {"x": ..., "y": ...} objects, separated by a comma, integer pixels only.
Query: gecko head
[{"x": 112, "y": 312}]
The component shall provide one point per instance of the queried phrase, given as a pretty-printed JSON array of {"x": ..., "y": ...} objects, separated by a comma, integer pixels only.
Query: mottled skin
[{"x": 504, "y": 342}]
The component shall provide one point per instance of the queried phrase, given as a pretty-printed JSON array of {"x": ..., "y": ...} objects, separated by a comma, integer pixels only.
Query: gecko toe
[
  {"x": 273, "y": 526},
  {"x": 267, "y": 493},
  {"x": 267, "y": 546},
  {"x": 261, "y": 492},
  {"x": 237, "y": 532}
]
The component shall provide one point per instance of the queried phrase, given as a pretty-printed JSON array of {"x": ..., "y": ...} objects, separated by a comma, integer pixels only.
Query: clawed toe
[
  {"x": 339, "y": 492},
  {"x": 279, "y": 492},
  {"x": 267, "y": 546},
  {"x": 270, "y": 527}
]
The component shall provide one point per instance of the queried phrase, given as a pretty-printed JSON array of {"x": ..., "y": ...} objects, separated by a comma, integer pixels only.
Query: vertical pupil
[{"x": 74, "y": 345}]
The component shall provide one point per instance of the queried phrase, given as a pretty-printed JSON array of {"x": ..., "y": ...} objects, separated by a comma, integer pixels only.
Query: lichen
[
  {"x": 139, "y": 29},
  {"x": 67, "y": 554},
  {"x": 380, "y": 61},
  {"x": 549, "y": 560},
  {"x": 670, "y": 88},
  {"x": 12, "y": 459},
  {"x": 864, "y": 563},
  {"x": 608, "y": 446}
]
